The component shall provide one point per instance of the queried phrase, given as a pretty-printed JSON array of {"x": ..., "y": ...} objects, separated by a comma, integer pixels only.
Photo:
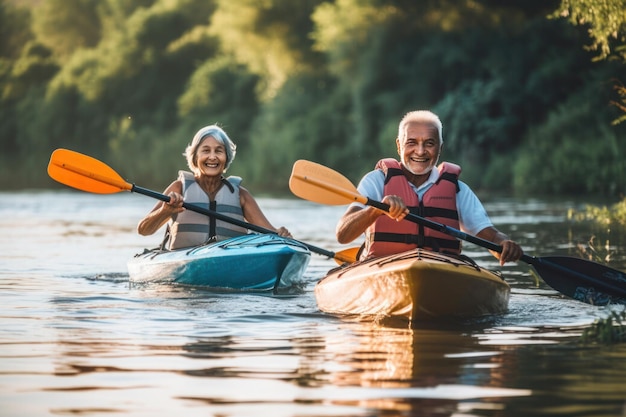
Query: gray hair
[
  {"x": 421, "y": 116},
  {"x": 219, "y": 135}
]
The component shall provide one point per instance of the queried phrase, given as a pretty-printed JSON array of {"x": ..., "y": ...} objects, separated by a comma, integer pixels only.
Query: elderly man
[{"x": 416, "y": 184}]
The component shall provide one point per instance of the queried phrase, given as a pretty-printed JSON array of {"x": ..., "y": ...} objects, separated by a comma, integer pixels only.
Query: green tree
[
  {"x": 206, "y": 100},
  {"x": 474, "y": 64},
  {"x": 305, "y": 121},
  {"x": 327, "y": 81},
  {"x": 15, "y": 29},
  {"x": 270, "y": 37},
  {"x": 67, "y": 25},
  {"x": 605, "y": 21},
  {"x": 575, "y": 151}
]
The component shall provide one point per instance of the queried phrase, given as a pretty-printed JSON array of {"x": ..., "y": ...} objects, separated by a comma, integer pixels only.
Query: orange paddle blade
[
  {"x": 85, "y": 173},
  {"x": 320, "y": 184},
  {"x": 347, "y": 255}
]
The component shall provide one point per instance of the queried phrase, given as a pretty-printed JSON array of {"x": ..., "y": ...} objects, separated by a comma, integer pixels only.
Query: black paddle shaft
[
  {"x": 540, "y": 264},
  {"x": 219, "y": 216}
]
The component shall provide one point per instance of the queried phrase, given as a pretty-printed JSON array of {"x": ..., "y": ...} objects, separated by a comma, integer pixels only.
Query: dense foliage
[
  {"x": 606, "y": 331},
  {"x": 609, "y": 216},
  {"x": 525, "y": 106}
]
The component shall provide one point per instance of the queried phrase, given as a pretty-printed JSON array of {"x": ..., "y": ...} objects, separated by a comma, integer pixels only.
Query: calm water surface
[{"x": 77, "y": 339}]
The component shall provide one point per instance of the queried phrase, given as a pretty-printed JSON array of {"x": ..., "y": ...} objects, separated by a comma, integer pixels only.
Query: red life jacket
[{"x": 387, "y": 236}]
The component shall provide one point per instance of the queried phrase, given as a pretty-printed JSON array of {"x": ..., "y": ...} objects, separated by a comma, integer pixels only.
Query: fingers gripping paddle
[
  {"x": 580, "y": 279},
  {"x": 89, "y": 174}
]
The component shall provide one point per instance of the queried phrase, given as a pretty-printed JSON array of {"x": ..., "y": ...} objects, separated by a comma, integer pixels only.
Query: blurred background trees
[{"x": 530, "y": 92}]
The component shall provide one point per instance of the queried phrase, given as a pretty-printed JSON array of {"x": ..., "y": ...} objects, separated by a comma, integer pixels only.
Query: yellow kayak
[{"x": 416, "y": 285}]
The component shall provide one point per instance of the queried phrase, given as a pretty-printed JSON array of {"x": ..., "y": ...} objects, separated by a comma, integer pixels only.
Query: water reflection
[
  {"x": 359, "y": 366},
  {"x": 77, "y": 340},
  {"x": 374, "y": 355}
]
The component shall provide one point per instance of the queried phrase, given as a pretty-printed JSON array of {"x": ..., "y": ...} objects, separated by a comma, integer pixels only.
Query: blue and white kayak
[{"x": 254, "y": 262}]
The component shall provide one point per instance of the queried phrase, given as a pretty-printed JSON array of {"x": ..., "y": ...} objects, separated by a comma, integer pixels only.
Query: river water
[{"x": 77, "y": 339}]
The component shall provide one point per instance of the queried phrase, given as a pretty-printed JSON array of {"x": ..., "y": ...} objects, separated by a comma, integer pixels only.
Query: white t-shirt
[{"x": 472, "y": 215}]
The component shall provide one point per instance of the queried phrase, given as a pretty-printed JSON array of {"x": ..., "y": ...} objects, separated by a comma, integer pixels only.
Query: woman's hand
[
  {"x": 283, "y": 232},
  {"x": 175, "y": 205}
]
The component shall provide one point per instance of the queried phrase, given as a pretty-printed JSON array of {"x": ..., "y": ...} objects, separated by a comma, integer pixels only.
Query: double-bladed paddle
[
  {"x": 577, "y": 278},
  {"x": 89, "y": 174}
]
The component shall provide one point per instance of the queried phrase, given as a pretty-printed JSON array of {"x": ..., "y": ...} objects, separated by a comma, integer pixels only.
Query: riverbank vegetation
[
  {"x": 528, "y": 91},
  {"x": 606, "y": 331},
  {"x": 612, "y": 215}
]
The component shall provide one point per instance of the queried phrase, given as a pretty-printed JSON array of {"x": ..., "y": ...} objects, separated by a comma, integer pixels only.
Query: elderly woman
[{"x": 208, "y": 156}]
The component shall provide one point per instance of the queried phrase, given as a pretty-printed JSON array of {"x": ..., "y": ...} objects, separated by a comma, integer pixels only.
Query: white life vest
[{"x": 189, "y": 228}]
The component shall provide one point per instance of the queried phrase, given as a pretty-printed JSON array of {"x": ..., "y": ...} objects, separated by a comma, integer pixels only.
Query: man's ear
[{"x": 398, "y": 146}]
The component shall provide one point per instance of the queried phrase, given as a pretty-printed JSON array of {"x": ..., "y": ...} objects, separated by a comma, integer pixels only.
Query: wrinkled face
[
  {"x": 419, "y": 149},
  {"x": 210, "y": 158}
]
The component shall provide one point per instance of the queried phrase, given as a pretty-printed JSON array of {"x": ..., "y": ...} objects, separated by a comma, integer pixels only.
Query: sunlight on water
[{"x": 78, "y": 339}]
